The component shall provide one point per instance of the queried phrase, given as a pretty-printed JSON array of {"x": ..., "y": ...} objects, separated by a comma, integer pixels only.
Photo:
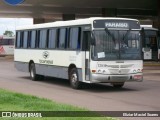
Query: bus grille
[
  {"x": 126, "y": 66},
  {"x": 113, "y": 66},
  {"x": 119, "y": 71},
  {"x": 120, "y": 66}
]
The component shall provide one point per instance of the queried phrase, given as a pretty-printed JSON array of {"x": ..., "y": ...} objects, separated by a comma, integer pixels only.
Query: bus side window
[
  {"x": 62, "y": 38},
  {"x": 25, "y": 38},
  {"x": 86, "y": 40},
  {"x": 52, "y": 38},
  {"x": 42, "y": 39},
  {"x": 18, "y": 37},
  {"x": 33, "y": 39},
  {"x": 11, "y": 41},
  {"x": 74, "y": 39}
]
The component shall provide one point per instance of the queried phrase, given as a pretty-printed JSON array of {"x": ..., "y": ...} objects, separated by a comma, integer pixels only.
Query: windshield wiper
[
  {"x": 109, "y": 33},
  {"x": 126, "y": 34}
]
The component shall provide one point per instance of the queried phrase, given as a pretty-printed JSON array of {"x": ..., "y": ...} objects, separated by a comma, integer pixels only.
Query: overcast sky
[{"x": 12, "y": 23}]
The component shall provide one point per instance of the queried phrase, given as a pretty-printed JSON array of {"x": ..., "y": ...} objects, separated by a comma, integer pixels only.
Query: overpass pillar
[
  {"x": 42, "y": 20},
  {"x": 159, "y": 14},
  {"x": 38, "y": 20},
  {"x": 109, "y": 12},
  {"x": 156, "y": 22},
  {"x": 68, "y": 17}
]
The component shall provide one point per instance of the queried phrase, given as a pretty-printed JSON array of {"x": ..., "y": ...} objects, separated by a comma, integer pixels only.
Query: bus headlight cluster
[
  {"x": 98, "y": 71},
  {"x": 101, "y": 71},
  {"x": 137, "y": 71}
]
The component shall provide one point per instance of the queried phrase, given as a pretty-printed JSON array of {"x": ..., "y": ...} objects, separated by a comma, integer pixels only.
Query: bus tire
[
  {"x": 33, "y": 74},
  {"x": 118, "y": 85},
  {"x": 74, "y": 79}
]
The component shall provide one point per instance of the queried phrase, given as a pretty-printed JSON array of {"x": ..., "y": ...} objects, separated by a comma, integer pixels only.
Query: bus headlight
[
  {"x": 138, "y": 71},
  {"x": 134, "y": 71}
]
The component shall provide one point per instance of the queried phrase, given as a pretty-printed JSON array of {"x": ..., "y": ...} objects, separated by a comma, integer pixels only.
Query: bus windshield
[{"x": 116, "y": 45}]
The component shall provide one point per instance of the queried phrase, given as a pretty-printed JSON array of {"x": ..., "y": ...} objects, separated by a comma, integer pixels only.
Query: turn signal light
[{"x": 93, "y": 71}]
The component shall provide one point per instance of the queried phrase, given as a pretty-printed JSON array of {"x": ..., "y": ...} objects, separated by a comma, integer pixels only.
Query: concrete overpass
[{"x": 52, "y": 10}]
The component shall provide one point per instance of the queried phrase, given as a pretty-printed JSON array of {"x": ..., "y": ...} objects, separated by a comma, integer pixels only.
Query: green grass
[{"x": 10, "y": 101}]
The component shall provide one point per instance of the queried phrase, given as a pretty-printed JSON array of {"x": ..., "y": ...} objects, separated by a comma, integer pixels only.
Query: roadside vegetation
[{"x": 10, "y": 101}]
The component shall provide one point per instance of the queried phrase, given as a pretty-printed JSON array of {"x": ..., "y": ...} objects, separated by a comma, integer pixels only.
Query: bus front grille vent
[
  {"x": 119, "y": 71},
  {"x": 126, "y": 66}
]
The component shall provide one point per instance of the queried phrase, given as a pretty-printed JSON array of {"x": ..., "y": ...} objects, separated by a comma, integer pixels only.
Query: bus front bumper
[{"x": 97, "y": 78}]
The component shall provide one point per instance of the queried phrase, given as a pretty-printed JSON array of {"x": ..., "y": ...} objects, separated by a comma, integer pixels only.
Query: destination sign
[
  {"x": 116, "y": 25},
  {"x": 122, "y": 24}
]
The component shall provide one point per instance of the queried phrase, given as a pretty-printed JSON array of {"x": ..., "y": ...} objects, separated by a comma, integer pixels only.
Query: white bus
[
  {"x": 6, "y": 45},
  {"x": 93, "y": 50},
  {"x": 151, "y": 44}
]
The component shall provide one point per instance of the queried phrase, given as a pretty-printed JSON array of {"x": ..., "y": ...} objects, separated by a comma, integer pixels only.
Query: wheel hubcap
[
  {"x": 74, "y": 78},
  {"x": 32, "y": 73}
]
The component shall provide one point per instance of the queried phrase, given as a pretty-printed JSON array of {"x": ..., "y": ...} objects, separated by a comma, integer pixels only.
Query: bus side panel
[
  {"x": 56, "y": 65},
  {"x": 55, "y": 71},
  {"x": 52, "y": 71}
]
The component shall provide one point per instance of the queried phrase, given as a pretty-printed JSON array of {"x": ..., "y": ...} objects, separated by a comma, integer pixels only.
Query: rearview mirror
[
  {"x": 159, "y": 33},
  {"x": 93, "y": 41},
  {"x": 143, "y": 34}
]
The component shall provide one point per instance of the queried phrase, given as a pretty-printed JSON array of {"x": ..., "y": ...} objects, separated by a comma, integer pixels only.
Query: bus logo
[
  {"x": 13, "y": 2},
  {"x": 45, "y": 54}
]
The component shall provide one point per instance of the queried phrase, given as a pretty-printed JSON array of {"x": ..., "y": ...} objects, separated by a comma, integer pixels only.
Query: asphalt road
[{"x": 134, "y": 96}]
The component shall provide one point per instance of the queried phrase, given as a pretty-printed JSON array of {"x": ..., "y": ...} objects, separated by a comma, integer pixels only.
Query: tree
[{"x": 8, "y": 33}]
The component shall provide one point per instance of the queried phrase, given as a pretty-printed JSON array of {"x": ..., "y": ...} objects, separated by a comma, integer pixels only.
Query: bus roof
[
  {"x": 148, "y": 27},
  {"x": 70, "y": 23},
  {"x": 6, "y": 37}
]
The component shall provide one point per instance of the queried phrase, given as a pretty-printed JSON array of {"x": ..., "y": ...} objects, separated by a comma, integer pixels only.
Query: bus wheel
[
  {"x": 118, "y": 85},
  {"x": 33, "y": 74},
  {"x": 74, "y": 80}
]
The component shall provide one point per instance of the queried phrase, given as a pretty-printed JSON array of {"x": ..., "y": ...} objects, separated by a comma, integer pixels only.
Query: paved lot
[{"x": 135, "y": 96}]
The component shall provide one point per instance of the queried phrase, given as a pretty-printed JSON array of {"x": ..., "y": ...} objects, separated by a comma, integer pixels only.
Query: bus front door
[
  {"x": 86, "y": 47},
  {"x": 150, "y": 49},
  {"x": 154, "y": 47}
]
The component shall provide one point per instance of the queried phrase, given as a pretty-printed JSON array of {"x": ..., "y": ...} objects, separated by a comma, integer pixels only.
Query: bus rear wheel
[
  {"x": 74, "y": 79},
  {"x": 33, "y": 74},
  {"x": 118, "y": 85}
]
